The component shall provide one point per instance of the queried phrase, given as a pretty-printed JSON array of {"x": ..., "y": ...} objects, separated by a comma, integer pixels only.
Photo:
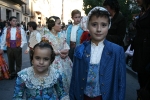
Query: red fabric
[
  {"x": 84, "y": 37},
  {"x": 95, "y": 98},
  {"x": 18, "y": 37},
  {"x": 4, "y": 73}
]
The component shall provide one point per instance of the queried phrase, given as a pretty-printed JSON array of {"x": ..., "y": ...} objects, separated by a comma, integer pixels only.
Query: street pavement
[{"x": 7, "y": 86}]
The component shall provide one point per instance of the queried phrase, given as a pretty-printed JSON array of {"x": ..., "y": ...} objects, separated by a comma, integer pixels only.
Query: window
[
  {"x": 8, "y": 14},
  {"x": 0, "y": 13},
  {"x": 18, "y": 16}
]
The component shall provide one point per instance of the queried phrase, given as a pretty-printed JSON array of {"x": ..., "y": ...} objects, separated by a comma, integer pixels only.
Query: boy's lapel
[
  {"x": 87, "y": 54},
  {"x": 106, "y": 55}
]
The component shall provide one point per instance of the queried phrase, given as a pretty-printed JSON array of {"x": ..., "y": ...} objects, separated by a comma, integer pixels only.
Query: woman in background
[
  {"x": 117, "y": 30},
  {"x": 61, "y": 49},
  {"x": 141, "y": 45}
]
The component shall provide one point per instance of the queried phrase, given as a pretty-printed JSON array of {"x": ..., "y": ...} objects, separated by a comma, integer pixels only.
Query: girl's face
[
  {"x": 76, "y": 18},
  {"x": 41, "y": 60},
  {"x": 98, "y": 28},
  {"x": 111, "y": 11},
  {"x": 30, "y": 28},
  {"x": 57, "y": 26},
  {"x": 139, "y": 2}
]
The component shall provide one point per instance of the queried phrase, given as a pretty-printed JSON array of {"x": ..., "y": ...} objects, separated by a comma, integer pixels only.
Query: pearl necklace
[{"x": 41, "y": 78}]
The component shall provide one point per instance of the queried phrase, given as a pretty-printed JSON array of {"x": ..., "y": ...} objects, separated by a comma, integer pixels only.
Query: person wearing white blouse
[
  {"x": 35, "y": 37},
  {"x": 14, "y": 38}
]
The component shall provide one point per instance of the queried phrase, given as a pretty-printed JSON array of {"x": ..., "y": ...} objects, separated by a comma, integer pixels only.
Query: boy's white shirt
[
  {"x": 96, "y": 52},
  {"x": 13, "y": 37},
  {"x": 74, "y": 32},
  {"x": 38, "y": 38}
]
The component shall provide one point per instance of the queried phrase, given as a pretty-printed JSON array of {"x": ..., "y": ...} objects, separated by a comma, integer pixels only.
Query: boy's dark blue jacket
[{"x": 112, "y": 72}]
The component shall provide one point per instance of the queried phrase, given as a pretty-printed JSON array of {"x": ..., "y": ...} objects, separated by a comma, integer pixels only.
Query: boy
[
  {"x": 74, "y": 32},
  {"x": 35, "y": 37},
  {"x": 14, "y": 38},
  {"x": 99, "y": 70}
]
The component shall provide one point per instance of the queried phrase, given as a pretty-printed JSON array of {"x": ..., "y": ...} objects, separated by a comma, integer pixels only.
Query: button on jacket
[{"x": 112, "y": 72}]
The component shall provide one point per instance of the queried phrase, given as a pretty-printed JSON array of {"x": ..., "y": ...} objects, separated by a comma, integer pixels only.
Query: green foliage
[
  {"x": 127, "y": 7},
  {"x": 89, "y": 4}
]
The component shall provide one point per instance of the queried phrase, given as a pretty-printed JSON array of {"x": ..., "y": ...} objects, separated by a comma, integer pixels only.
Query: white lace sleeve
[
  {"x": 65, "y": 97},
  {"x": 66, "y": 46}
]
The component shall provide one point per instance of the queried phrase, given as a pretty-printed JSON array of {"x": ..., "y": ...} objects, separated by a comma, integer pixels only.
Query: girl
[
  {"x": 61, "y": 49},
  {"x": 41, "y": 81},
  {"x": 99, "y": 70}
]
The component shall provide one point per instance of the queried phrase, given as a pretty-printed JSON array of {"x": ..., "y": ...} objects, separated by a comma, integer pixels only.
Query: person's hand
[
  {"x": 56, "y": 53},
  {"x": 65, "y": 51},
  {"x": 63, "y": 56},
  {"x": 1, "y": 51},
  {"x": 26, "y": 51}
]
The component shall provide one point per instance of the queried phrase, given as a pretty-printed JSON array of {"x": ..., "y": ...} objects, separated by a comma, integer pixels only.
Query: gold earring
[{"x": 53, "y": 30}]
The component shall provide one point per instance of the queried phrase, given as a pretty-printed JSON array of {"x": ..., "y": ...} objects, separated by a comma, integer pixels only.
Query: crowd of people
[{"x": 84, "y": 60}]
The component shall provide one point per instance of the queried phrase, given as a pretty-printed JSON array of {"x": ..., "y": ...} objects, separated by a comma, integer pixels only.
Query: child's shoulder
[
  {"x": 113, "y": 47},
  {"x": 25, "y": 72},
  {"x": 79, "y": 50}
]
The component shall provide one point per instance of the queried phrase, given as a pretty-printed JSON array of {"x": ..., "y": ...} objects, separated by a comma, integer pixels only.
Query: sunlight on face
[
  {"x": 76, "y": 18},
  {"x": 98, "y": 28}
]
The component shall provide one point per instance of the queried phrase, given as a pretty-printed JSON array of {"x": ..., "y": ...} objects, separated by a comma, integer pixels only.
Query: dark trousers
[
  {"x": 71, "y": 53},
  {"x": 31, "y": 55},
  {"x": 143, "y": 79},
  {"x": 95, "y": 98},
  {"x": 14, "y": 58}
]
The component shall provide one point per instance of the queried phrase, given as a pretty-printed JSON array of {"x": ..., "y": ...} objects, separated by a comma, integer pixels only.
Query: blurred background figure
[
  {"x": 85, "y": 35},
  {"x": 63, "y": 29},
  {"x": 117, "y": 30},
  {"x": 141, "y": 46}
]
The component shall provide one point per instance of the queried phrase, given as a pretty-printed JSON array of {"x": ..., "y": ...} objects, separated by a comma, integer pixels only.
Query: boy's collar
[{"x": 76, "y": 24}]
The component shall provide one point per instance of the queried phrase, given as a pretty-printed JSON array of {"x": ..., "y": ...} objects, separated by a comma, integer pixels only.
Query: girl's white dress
[{"x": 63, "y": 65}]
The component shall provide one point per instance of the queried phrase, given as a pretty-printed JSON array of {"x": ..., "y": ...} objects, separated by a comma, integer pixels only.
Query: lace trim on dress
[
  {"x": 65, "y": 98},
  {"x": 33, "y": 82}
]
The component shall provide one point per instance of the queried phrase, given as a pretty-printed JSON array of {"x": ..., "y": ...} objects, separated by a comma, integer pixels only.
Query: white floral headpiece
[
  {"x": 83, "y": 23},
  {"x": 52, "y": 19},
  {"x": 97, "y": 8}
]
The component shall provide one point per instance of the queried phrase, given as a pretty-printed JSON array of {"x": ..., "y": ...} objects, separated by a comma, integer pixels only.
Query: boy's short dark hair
[
  {"x": 99, "y": 13},
  {"x": 12, "y": 17},
  {"x": 32, "y": 24},
  {"x": 75, "y": 12}
]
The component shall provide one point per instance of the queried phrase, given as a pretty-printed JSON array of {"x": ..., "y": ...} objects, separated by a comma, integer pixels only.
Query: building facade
[
  {"x": 11, "y": 8},
  {"x": 38, "y": 10}
]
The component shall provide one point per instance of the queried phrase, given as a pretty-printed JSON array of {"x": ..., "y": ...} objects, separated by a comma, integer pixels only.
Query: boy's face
[
  {"x": 98, "y": 28},
  {"x": 30, "y": 28},
  {"x": 13, "y": 22},
  {"x": 41, "y": 59},
  {"x": 76, "y": 18}
]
